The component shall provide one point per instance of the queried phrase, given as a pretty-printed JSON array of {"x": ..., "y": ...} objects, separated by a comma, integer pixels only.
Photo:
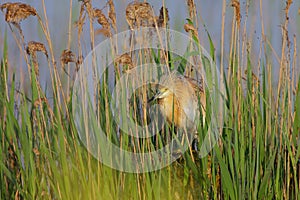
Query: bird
[{"x": 180, "y": 98}]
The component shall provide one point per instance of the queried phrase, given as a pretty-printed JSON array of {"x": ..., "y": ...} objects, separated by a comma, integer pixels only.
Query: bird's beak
[{"x": 154, "y": 97}]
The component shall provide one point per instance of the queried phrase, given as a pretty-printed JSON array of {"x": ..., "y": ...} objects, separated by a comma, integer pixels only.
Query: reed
[{"x": 256, "y": 157}]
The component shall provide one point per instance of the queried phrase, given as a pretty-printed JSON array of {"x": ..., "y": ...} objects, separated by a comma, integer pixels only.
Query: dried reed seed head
[
  {"x": 191, "y": 7},
  {"x": 163, "y": 17},
  {"x": 112, "y": 14},
  {"x": 236, "y": 5},
  {"x": 125, "y": 60},
  {"x": 137, "y": 12},
  {"x": 190, "y": 28},
  {"x": 288, "y": 4},
  {"x": 164, "y": 13},
  {"x": 16, "y": 12},
  {"x": 33, "y": 47},
  {"x": 101, "y": 18},
  {"x": 191, "y": 4},
  {"x": 67, "y": 56},
  {"x": 87, "y": 6}
]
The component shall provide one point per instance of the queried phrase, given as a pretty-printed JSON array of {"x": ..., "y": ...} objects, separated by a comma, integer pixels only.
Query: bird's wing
[
  {"x": 199, "y": 90},
  {"x": 196, "y": 84}
]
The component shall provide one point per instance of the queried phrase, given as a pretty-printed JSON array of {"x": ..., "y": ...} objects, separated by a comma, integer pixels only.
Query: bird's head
[{"x": 161, "y": 93}]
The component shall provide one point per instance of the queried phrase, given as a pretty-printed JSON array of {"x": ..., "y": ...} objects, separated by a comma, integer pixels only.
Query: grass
[{"x": 257, "y": 155}]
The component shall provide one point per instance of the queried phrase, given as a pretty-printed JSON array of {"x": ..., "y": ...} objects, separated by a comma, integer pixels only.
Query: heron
[{"x": 181, "y": 98}]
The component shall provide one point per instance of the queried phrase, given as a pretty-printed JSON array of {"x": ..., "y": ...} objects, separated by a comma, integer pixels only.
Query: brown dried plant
[
  {"x": 16, "y": 12},
  {"x": 101, "y": 19},
  {"x": 287, "y": 7},
  {"x": 31, "y": 49},
  {"x": 236, "y": 5},
  {"x": 191, "y": 8},
  {"x": 139, "y": 14},
  {"x": 80, "y": 22},
  {"x": 112, "y": 14},
  {"x": 190, "y": 28},
  {"x": 66, "y": 57},
  {"x": 87, "y": 5},
  {"x": 163, "y": 17},
  {"x": 96, "y": 14},
  {"x": 126, "y": 61}
]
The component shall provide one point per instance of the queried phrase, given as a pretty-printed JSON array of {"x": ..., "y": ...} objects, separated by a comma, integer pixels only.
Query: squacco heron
[{"x": 179, "y": 98}]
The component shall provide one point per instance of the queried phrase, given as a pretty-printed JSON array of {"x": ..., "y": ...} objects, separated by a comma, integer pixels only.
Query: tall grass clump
[{"x": 42, "y": 157}]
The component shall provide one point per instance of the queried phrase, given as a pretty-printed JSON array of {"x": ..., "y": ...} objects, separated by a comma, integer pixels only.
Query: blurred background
[{"x": 269, "y": 13}]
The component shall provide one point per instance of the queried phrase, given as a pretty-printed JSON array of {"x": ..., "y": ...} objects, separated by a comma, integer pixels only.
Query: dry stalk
[
  {"x": 236, "y": 5},
  {"x": 70, "y": 33},
  {"x": 39, "y": 103},
  {"x": 87, "y": 5},
  {"x": 288, "y": 4},
  {"x": 38, "y": 107},
  {"x": 192, "y": 12},
  {"x": 12, "y": 164},
  {"x": 112, "y": 15},
  {"x": 80, "y": 22},
  {"x": 190, "y": 28},
  {"x": 191, "y": 8},
  {"x": 284, "y": 62}
]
